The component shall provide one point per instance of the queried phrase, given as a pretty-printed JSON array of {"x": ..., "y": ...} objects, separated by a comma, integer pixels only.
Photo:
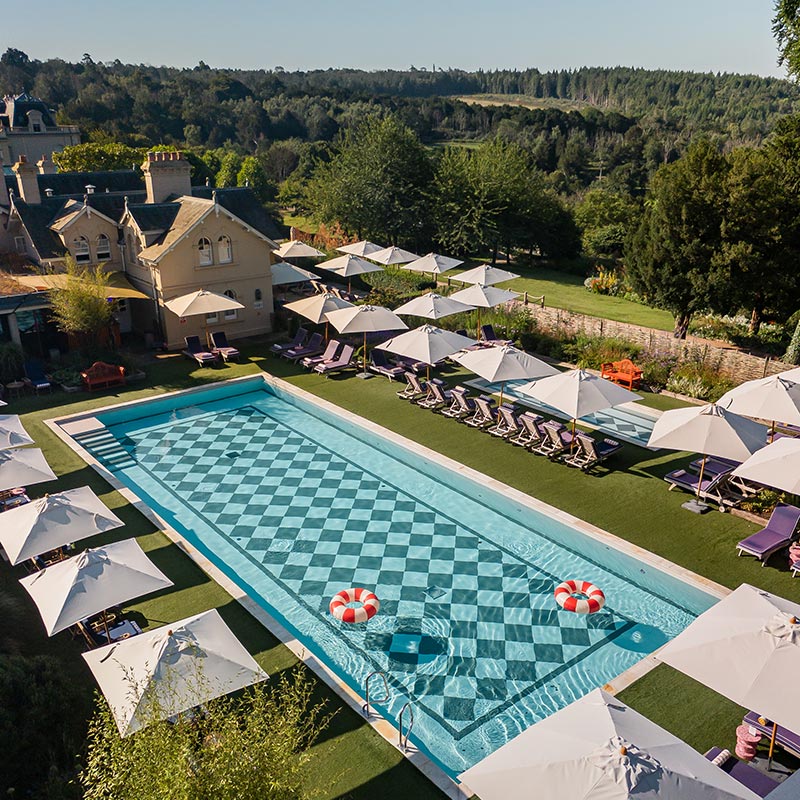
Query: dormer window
[
  {"x": 80, "y": 247},
  {"x": 224, "y": 251},
  {"x": 103, "y": 248},
  {"x": 205, "y": 253},
  {"x": 37, "y": 128}
]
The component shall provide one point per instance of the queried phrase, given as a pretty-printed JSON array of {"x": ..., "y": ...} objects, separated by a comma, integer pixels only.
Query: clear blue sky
[{"x": 716, "y": 35}]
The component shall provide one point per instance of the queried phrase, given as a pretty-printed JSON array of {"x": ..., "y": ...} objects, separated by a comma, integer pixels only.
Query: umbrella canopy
[
  {"x": 776, "y": 465},
  {"x": 171, "y": 669},
  {"x": 577, "y": 393},
  {"x": 433, "y": 263},
  {"x": 393, "y": 255},
  {"x": 773, "y": 398},
  {"x": 486, "y": 275},
  {"x": 506, "y": 363},
  {"x": 598, "y": 748},
  {"x": 427, "y": 344},
  {"x": 362, "y": 248},
  {"x": 283, "y": 273},
  {"x": 432, "y": 306},
  {"x": 53, "y": 521},
  {"x": 12, "y": 434},
  {"x": 23, "y": 468},
  {"x": 365, "y": 319},
  {"x": 747, "y": 648},
  {"x": 348, "y": 265},
  {"x": 791, "y": 375},
  {"x": 295, "y": 249},
  {"x": 482, "y": 296},
  {"x": 91, "y": 582},
  {"x": 201, "y": 302},
  {"x": 710, "y": 430},
  {"x": 316, "y": 308}
]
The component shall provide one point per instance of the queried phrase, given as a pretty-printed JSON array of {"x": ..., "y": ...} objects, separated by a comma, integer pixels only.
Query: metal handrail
[
  {"x": 365, "y": 707},
  {"x": 402, "y": 741}
]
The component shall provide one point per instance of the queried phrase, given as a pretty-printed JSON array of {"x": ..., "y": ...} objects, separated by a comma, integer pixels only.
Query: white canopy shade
[
  {"x": 283, "y": 273},
  {"x": 53, "y": 521},
  {"x": 171, "y": 669},
  {"x": 747, "y": 648},
  {"x": 91, "y": 582},
  {"x": 23, "y": 468},
  {"x": 791, "y": 375},
  {"x": 486, "y": 275},
  {"x": 2, "y": 403},
  {"x": 316, "y": 308},
  {"x": 427, "y": 344},
  {"x": 393, "y": 255},
  {"x": 201, "y": 302},
  {"x": 12, "y": 434},
  {"x": 710, "y": 430},
  {"x": 577, "y": 393},
  {"x": 773, "y": 398},
  {"x": 433, "y": 263},
  {"x": 776, "y": 465},
  {"x": 365, "y": 319},
  {"x": 348, "y": 265},
  {"x": 432, "y": 306},
  {"x": 362, "y": 248},
  {"x": 598, "y": 748},
  {"x": 484, "y": 296},
  {"x": 506, "y": 363},
  {"x": 296, "y": 249}
]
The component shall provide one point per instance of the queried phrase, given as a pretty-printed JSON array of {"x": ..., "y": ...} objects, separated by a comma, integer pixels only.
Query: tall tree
[
  {"x": 252, "y": 174},
  {"x": 605, "y": 219},
  {"x": 786, "y": 27}
]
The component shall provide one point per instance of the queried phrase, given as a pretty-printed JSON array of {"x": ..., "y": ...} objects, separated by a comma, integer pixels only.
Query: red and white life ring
[
  {"x": 369, "y": 607},
  {"x": 593, "y": 601}
]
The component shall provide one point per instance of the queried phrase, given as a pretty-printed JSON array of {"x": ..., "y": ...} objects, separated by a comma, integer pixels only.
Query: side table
[
  {"x": 15, "y": 388},
  {"x": 746, "y": 743}
]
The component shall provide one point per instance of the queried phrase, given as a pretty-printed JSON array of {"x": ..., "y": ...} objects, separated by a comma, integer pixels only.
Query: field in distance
[{"x": 524, "y": 100}]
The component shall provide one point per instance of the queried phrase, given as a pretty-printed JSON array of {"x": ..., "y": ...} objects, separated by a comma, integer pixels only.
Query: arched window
[
  {"x": 229, "y": 315},
  {"x": 103, "y": 248},
  {"x": 224, "y": 251},
  {"x": 258, "y": 299},
  {"x": 80, "y": 247},
  {"x": 206, "y": 254}
]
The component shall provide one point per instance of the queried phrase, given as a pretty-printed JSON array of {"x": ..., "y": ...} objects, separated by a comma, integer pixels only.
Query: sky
[{"x": 700, "y": 35}]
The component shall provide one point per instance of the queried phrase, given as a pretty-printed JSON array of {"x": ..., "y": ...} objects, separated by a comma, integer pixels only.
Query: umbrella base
[
  {"x": 696, "y": 506},
  {"x": 364, "y": 375}
]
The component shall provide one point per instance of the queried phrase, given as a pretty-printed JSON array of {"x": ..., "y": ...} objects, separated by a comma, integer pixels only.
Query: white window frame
[
  {"x": 225, "y": 249},
  {"x": 258, "y": 299},
  {"x": 205, "y": 254},
  {"x": 103, "y": 255},
  {"x": 83, "y": 253},
  {"x": 212, "y": 319},
  {"x": 231, "y": 315},
  {"x": 20, "y": 245}
]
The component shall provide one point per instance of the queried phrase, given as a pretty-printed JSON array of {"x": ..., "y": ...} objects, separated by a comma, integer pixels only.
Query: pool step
[{"x": 106, "y": 449}]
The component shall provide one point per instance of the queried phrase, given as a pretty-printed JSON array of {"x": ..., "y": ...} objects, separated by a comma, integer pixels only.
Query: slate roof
[
  {"x": 20, "y": 106},
  {"x": 37, "y": 219},
  {"x": 153, "y": 216},
  {"x": 242, "y": 203},
  {"x": 75, "y": 183},
  {"x": 190, "y": 211}
]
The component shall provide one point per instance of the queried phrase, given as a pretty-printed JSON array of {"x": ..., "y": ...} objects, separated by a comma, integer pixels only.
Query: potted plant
[{"x": 68, "y": 378}]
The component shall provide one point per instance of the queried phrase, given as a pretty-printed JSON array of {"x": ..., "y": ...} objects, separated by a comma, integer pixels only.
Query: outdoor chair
[
  {"x": 485, "y": 413},
  {"x": 757, "y": 782},
  {"x": 35, "y": 377},
  {"x": 318, "y": 287},
  {"x": 194, "y": 350},
  {"x": 488, "y": 335},
  {"x": 788, "y": 740},
  {"x": 411, "y": 364},
  {"x": 345, "y": 361},
  {"x": 437, "y": 395},
  {"x": 590, "y": 452},
  {"x": 329, "y": 355},
  {"x": 507, "y": 423},
  {"x": 298, "y": 340},
  {"x": 380, "y": 365},
  {"x": 716, "y": 489},
  {"x": 312, "y": 348},
  {"x": 774, "y": 536},
  {"x": 714, "y": 466},
  {"x": 220, "y": 347},
  {"x": 530, "y": 432},
  {"x": 556, "y": 440},
  {"x": 461, "y": 405},
  {"x": 414, "y": 388}
]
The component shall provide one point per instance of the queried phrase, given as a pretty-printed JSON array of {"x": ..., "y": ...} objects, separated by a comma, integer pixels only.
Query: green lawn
[{"x": 629, "y": 499}]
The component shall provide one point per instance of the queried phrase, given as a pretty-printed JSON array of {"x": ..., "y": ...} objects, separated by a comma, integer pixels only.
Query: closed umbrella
[
  {"x": 433, "y": 306},
  {"x": 362, "y": 248},
  {"x": 316, "y": 308},
  {"x": 747, "y": 648},
  {"x": 296, "y": 249},
  {"x": 348, "y": 265},
  {"x": 598, "y": 748},
  {"x": 283, "y": 273},
  {"x": 92, "y": 581},
  {"x": 52, "y": 521},
  {"x": 776, "y": 465},
  {"x": 427, "y": 344},
  {"x": 433, "y": 263},
  {"x": 482, "y": 296},
  {"x": 201, "y": 302},
  {"x": 486, "y": 275},
  {"x": 12, "y": 434},
  {"x": 171, "y": 670},
  {"x": 501, "y": 364},
  {"x": 774, "y": 398},
  {"x": 393, "y": 255},
  {"x": 23, "y": 468},
  {"x": 365, "y": 319}
]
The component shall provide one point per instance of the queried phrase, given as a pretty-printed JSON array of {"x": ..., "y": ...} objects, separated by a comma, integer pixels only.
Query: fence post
[
  {"x": 766, "y": 365},
  {"x": 525, "y": 298}
]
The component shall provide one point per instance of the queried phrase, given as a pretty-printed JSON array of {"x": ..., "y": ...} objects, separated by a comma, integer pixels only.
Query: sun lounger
[
  {"x": 312, "y": 348},
  {"x": 414, "y": 388},
  {"x": 774, "y": 536},
  {"x": 716, "y": 489},
  {"x": 488, "y": 335},
  {"x": 298, "y": 340},
  {"x": 507, "y": 424},
  {"x": 329, "y": 355},
  {"x": 461, "y": 405},
  {"x": 485, "y": 413},
  {"x": 714, "y": 466},
  {"x": 757, "y": 782},
  {"x": 556, "y": 440},
  {"x": 788, "y": 740},
  {"x": 345, "y": 361},
  {"x": 437, "y": 395},
  {"x": 411, "y": 365},
  {"x": 589, "y": 452},
  {"x": 530, "y": 430},
  {"x": 194, "y": 350},
  {"x": 380, "y": 365},
  {"x": 221, "y": 347},
  {"x": 34, "y": 377}
]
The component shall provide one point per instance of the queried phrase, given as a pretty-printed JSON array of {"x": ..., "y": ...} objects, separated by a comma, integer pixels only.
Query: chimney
[
  {"x": 46, "y": 166},
  {"x": 49, "y": 192},
  {"x": 166, "y": 174},
  {"x": 5, "y": 200},
  {"x": 89, "y": 188},
  {"x": 27, "y": 181}
]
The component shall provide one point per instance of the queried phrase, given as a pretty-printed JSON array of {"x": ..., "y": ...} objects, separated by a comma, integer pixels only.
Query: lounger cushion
[{"x": 754, "y": 780}]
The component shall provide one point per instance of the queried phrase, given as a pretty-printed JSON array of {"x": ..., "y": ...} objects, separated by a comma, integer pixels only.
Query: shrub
[
  {"x": 604, "y": 281},
  {"x": 763, "y": 502},
  {"x": 11, "y": 361},
  {"x": 656, "y": 369},
  {"x": 66, "y": 376},
  {"x": 695, "y": 379},
  {"x": 594, "y": 351},
  {"x": 393, "y": 286}
]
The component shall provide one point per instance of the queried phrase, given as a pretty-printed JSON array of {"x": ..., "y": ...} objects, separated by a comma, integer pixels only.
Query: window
[
  {"x": 211, "y": 319},
  {"x": 229, "y": 315},
  {"x": 37, "y": 128},
  {"x": 206, "y": 254},
  {"x": 103, "y": 248},
  {"x": 81, "y": 248},
  {"x": 224, "y": 252},
  {"x": 258, "y": 301},
  {"x": 19, "y": 245}
]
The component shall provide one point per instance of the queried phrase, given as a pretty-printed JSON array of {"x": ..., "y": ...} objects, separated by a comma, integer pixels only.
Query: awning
[{"x": 118, "y": 286}]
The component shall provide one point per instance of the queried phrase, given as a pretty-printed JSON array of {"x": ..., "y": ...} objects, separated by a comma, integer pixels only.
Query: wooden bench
[
  {"x": 624, "y": 372},
  {"x": 103, "y": 376}
]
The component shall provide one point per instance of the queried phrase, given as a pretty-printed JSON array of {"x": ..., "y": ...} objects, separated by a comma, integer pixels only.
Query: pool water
[{"x": 295, "y": 504}]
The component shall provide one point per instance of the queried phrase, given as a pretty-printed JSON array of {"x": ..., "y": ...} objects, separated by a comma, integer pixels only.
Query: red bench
[
  {"x": 103, "y": 376},
  {"x": 624, "y": 372}
]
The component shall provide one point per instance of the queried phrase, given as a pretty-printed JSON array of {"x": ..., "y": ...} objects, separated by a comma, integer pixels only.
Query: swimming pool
[{"x": 295, "y": 503}]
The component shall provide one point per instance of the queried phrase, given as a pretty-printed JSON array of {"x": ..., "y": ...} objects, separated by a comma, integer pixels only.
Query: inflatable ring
[
  {"x": 369, "y": 605},
  {"x": 593, "y": 601}
]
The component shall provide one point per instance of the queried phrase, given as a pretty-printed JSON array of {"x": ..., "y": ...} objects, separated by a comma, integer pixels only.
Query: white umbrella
[
  {"x": 486, "y": 275},
  {"x": 501, "y": 364},
  {"x": 774, "y": 398},
  {"x": 747, "y": 648},
  {"x": 365, "y": 319},
  {"x": 317, "y": 307},
  {"x": 433, "y": 263},
  {"x": 776, "y": 465},
  {"x": 348, "y": 265},
  {"x": 92, "y": 581},
  {"x": 53, "y": 521},
  {"x": 433, "y": 306},
  {"x": 12, "y": 434},
  {"x": 171, "y": 669},
  {"x": 283, "y": 273},
  {"x": 393, "y": 255},
  {"x": 483, "y": 297},
  {"x": 296, "y": 249},
  {"x": 598, "y": 748},
  {"x": 23, "y": 468},
  {"x": 791, "y": 375},
  {"x": 427, "y": 344},
  {"x": 362, "y": 248},
  {"x": 201, "y": 302}
]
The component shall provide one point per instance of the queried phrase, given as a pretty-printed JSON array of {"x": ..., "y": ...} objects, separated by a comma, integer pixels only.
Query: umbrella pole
[
  {"x": 365, "y": 352},
  {"x": 502, "y": 387},
  {"x": 772, "y": 432},
  {"x": 700, "y": 479},
  {"x": 105, "y": 625},
  {"x": 772, "y": 742},
  {"x": 326, "y": 330},
  {"x": 572, "y": 440}
]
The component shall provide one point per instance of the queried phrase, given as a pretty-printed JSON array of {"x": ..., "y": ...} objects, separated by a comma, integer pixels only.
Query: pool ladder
[
  {"x": 402, "y": 739},
  {"x": 384, "y": 699}
]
